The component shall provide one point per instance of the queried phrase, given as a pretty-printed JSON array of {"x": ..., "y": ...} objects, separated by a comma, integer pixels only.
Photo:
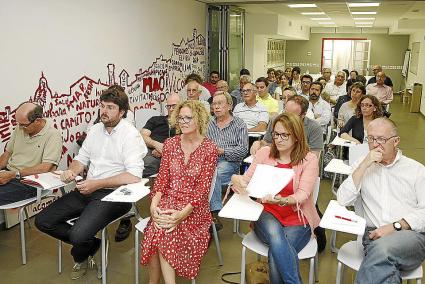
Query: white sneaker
[{"x": 79, "y": 270}]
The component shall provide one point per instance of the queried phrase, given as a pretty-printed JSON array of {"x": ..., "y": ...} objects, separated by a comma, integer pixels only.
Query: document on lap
[
  {"x": 128, "y": 193},
  {"x": 338, "y": 141},
  {"x": 50, "y": 180},
  {"x": 339, "y": 218},
  {"x": 265, "y": 180}
]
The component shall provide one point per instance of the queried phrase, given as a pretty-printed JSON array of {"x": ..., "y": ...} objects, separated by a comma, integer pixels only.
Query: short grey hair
[
  {"x": 387, "y": 121},
  {"x": 226, "y": 95}
]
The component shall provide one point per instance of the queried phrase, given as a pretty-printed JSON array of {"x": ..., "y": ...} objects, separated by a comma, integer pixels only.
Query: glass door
[
  {"x": 214, "y": 20},
  {"x": 361, "y": 56},
  {"x": 236, "y": 45}
]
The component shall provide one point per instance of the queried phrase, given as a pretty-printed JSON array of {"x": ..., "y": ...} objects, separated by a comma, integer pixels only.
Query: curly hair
[
  {"x": 377, "y": 113},
  {"x": 199, "y": 114}
]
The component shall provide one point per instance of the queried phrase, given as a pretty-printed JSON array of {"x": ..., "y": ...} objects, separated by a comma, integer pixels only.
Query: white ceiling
[{"x": 388, "y": 12}]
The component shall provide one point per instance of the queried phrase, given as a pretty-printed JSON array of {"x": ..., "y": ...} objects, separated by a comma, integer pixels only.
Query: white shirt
[
  {"x": 252, "y": 116},
  {"x": 110, "y": 154},
  {"x": 389, "y": 193},
  {"x": 334, "y": 91},
  {"x": 322, "y": 108}
]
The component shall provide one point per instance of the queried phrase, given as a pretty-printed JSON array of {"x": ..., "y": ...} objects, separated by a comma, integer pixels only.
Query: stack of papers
[
  {"x": 128, "y": 193},
  {"x": 339, "y": 218},
  {"x": 265, "y": 180},
  {"x": 50, "y": 180}
]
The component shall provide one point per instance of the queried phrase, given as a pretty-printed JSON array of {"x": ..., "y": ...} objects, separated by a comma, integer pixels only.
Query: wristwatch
[
  {"x": 18, "y": 175},
  {"x": 397, "y": 226}
]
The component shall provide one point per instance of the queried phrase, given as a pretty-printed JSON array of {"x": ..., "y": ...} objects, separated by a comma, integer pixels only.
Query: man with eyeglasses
[
  {"x": 194, "y": 92},
  {"x": 390, "y": 189},
  {"x": 306, "y": 81},
  {"x": 376, "y": 69},
  {"x": 253, "y": 113},
  {"x": 237, "y": 92},
  {"x": 154, "y": 133},
  {"x": 35, "y": 147},
  {"x": 230, "y": 134}
]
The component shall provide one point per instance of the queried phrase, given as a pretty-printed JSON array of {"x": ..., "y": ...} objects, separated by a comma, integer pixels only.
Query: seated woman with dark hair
[
  {"x": 347, "y": 110},
  {"x": 289, "y": 218},
  {"x": 176, "y": 237},
  {"x": 368, "y": 108}
]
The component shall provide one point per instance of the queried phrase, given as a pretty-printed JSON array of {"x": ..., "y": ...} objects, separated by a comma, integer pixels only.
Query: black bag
[{"x": 320, "y": 234}]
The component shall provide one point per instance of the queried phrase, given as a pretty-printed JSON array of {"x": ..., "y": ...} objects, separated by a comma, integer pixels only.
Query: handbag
[{"x": 257, "y": 272}]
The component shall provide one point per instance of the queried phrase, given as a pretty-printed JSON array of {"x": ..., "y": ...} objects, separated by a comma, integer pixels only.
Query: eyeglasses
[
  {"x": 283, "y": 136},
  {"x": 366, "y": 105},
  {"x": 25, "y": 125},
  {"x": 306, "y": 82},
  {"x": 248, "y": 91},
  {"x": 184, "y": 119},
  {"x": 170, "y": 106},
  {"x": 380, "y": 140}
]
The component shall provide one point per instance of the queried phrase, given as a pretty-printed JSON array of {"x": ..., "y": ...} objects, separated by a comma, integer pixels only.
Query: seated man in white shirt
[
  {"x": 113, "y": 152},
  {"x": 390, "y": 188},
  {"x": 320, "y": 108},
  {"x": 337, "y": 88},
  {"x": 194, "y": 92},
  {"x": 253, "y": 113}
]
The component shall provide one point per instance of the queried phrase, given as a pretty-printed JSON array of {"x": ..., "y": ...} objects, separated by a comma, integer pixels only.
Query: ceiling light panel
[
  {"x": 364, "y": 13},
  {"x": 326, "y": 23},
  {"x": 312, "y": 13},
  {"x": 363, "y": 23},
  {"x": 363, "y": 4},
  {"x": 364, "y": 19},
  {"x": 320, "y": 19},
  {"x": 302, "y": 5}
]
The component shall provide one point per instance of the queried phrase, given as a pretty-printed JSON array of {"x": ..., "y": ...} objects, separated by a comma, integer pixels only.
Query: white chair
[
  {"x": 104, "y": 246},
  {"x": 252, "y": 242},
  {"x": 141, "y": 225},
  {"x": 351, "y": 255},
  {"x": 22, "y": 206}
]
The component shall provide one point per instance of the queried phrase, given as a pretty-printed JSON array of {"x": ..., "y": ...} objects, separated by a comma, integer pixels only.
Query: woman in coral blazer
[{"x": 289, "y": 218}]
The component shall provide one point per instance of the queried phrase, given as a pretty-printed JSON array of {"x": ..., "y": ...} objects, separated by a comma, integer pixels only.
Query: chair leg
[
  {"x": 333, "y": 242},
  {"x": 28, "y": 217},
  {"x": 339, "y": 272},
  {"x": 311, "y": 271},
  {"x": 418, "y": 281},
  {"x": 235, "y": 223},
  {"x": 59, "y": 256},
  {"x": 103, "y": 245},
  {"x": 243, "y": 264},
  {"x": 316, "y": 267},
  {"x": 22, "y": 230},
  {"x": 217, "y": 245},
  {"x": 136, "y": 256},
  {"x": 193, "y": 281}
]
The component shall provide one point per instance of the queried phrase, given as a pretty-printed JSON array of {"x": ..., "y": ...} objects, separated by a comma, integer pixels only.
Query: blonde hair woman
[
  {"x": 289, "y": 218},
  {"x": 176, "y": 238}
]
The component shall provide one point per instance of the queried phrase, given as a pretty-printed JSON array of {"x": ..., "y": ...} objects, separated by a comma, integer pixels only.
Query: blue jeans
[
  {"x": 388, "y": 255},
  {"x": 225, "y": 170},
  {"x": 284, "y": 245}
]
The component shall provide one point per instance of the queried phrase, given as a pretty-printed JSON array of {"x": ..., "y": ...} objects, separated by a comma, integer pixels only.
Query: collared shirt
[
  {"x": 387, "y": 81},
  {"x": 382, "y": 92},
  {"x": 30, "y": 151},
  {"x": 269, "y": 103},
  {"x": 389, "y": 193},
  {"x": 335, "y": 91},
  {"x": 252, "y": 116},
  {"x": 322, "y": 108},
  {"x": 110, "y": 154},
  {"x": 233, "y": 138},
  {"x": 307, "y": 96},
  {"x": 210, "y": 87}
]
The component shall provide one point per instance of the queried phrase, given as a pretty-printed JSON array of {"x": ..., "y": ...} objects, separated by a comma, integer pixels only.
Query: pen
[{"x": 345, "y": 219}]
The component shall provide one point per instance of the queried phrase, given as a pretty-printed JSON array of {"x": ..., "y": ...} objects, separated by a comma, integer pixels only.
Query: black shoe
[
  {"x": 123, "y": 230},
  {"x": 217, "y": 223}
]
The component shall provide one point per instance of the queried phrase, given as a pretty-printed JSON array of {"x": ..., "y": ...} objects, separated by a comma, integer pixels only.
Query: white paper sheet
[
  {"x": 128, "y": 193},
  {"x": 268, "y": 180},
  {"x": 338, "y": 141},
  {"x": 50, "y": 180},
  {"x": 249, "y": 159},
  {"x": 241, "y": 207},
  {"x": 329, "y": 220},
  {"x": 339, "y": 167}
]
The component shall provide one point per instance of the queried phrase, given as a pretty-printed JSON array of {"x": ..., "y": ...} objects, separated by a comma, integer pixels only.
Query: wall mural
[{"x": 72, "y": 111}]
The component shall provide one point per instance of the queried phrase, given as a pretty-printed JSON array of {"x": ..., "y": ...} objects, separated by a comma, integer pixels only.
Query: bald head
[
  {"x": 383, "y": 123},
  {"x": 376, "y": 69},
  {"x": 28, "y": 112}
]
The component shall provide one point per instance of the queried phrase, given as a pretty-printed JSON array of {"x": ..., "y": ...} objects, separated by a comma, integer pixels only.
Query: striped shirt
[
  {"x": 252, "y": 116},
  {"x": 389, "y": 193},
  {"x": 233, "y": 138}
]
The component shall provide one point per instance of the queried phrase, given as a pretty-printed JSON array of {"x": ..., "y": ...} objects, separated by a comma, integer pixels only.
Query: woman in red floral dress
[{"x": 176, "y": 238}]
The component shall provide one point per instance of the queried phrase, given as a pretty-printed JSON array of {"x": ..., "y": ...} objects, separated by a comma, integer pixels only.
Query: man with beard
[
  {"x": 212, "y": 84},
  {"x": 113, "y": 152},
  {"x": 321, "y": 108}
]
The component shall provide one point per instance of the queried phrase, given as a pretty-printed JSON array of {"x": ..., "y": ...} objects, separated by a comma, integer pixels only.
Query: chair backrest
[
  {"x": 212, "y": 185},
  {"x": 357, "y": 151},
  {"x": 316, "y": 190}
]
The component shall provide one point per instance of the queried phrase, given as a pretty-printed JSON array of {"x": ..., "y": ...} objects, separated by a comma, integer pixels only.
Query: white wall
[
  {"x": 261, "y": 27},
  {"x": 67, "y": 40},
  {"x": 420, "y": 76}
]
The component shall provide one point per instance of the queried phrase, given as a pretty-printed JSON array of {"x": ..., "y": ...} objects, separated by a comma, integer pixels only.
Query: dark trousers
[
  {"x": 151, "y": 164},
  {"x": 93, "y": 214},
  {"x": 15, "y": 191}
]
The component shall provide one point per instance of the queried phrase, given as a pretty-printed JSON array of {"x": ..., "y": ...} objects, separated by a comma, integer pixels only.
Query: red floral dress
[{"x": 181, "y": 184}]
